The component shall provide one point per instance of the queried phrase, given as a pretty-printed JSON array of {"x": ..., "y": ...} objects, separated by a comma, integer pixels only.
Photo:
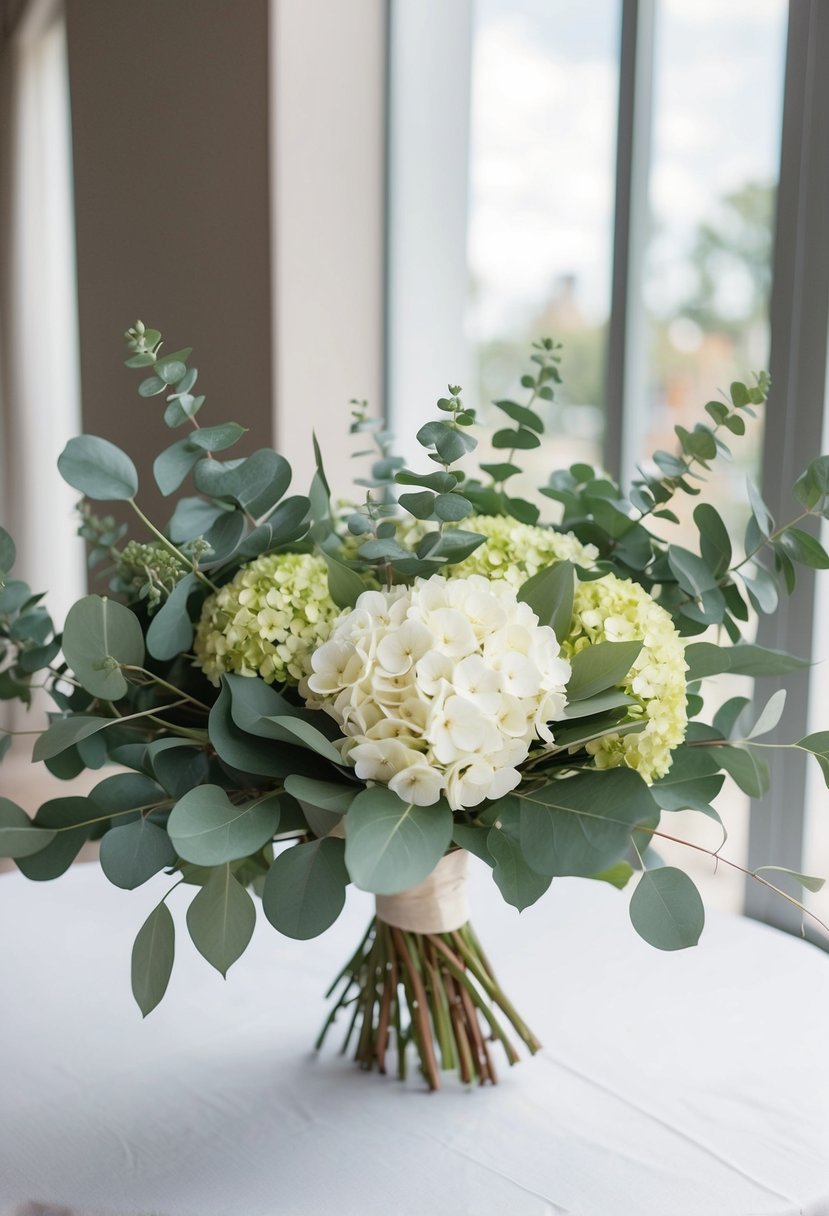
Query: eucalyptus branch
[
  {"x": 186, "y": 564},
  {"x": 148, "y": 808},
  {"x": 156, "y": 679},
  {"x": 715, "y": 854}
]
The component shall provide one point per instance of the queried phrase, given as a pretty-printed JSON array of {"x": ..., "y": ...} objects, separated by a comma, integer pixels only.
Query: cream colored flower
[{"x": 454, "y": 687}]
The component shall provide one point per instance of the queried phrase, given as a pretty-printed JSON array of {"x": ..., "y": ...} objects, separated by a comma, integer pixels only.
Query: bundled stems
[{"x": 435, "y": 990}]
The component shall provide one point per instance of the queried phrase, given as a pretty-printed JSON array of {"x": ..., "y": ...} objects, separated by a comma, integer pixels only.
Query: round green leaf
[
  {"x": 152, "y": 958},
  {"x": 392, "y": 845},
  {"x": 131, "y": 854},
  {"x": 170, "y": 467},
  {"x": 171, "y": 630},
  {"x": 304, "y": 891},
  {"x": 98, "y": 469},
  {"x": 207, "y": 829},
  {"x": 126, "y": 792},
  {"x": 65, "y": 733},
  {"x": 18, "y": 835},
  {"x": 666, "y": 909},
  {"x": 344, "y": 584},
  {"x": 256, "y": 483},
  {"x": 99, "y": 634},
  {"x": 171, "y": 370},
  {"x": 69, "y": 820},
  {"x": 582, "y": 824},
  {"x": 151, "y": 387},
  {"x": 8, "y": 553},
  {"x": 221, "y": 919},
  {"x": 217, "y": 438}
]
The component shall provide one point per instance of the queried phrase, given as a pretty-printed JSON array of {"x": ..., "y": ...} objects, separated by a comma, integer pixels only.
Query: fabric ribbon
[{"x": 437, "y": 905}]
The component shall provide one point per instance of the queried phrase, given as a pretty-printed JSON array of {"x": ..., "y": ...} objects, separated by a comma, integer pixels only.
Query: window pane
[
  {"x": 718, "y": 90},
  {"x": 543, "y": 129},
  {"x": 718, "y": 93}
]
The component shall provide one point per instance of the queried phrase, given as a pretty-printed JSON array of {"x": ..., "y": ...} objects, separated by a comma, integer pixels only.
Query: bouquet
[{"x": 300, "y": 695}]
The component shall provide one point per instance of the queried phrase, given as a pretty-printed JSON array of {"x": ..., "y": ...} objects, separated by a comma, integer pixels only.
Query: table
[{"x": 695, "y": 1084}]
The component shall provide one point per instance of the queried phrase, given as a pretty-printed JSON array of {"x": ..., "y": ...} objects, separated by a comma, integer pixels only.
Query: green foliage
[
  {"x": 392, "y": 845},
  {"x": 666, "y": 909},
  {"x": 304, "y": 892},
  {"x": 19, "y": 837},
  {"x": 520, "y": 885},
  {"x": 221, "y": 919},
  {"x": 208, "y": 829},
  {"x": 550, "y": 594},
  {"x": 152, "y": 958},
  {"x": 582, "y": 825},
  {"x": 132, "y": 853},
  {"x": 98, "y": 469},
  {"x": 99, "y": 637}
]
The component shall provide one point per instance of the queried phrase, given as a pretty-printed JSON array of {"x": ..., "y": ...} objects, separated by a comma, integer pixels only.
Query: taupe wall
[{"x": 170, "y": 135}]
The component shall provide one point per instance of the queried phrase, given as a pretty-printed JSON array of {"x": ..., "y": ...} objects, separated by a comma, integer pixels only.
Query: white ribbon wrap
[{"x": 437, "y": 905}]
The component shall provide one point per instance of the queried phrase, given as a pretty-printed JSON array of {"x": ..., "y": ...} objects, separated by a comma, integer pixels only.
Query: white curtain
[
  {"x": 39, "y": 394},
  {"x": 39, "y": 378}
]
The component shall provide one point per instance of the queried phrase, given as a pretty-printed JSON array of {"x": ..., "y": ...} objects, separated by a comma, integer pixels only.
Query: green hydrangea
[
  {"x": 268, "y": 620},
  {"x": 512, "y": 551},
  {"x": 612, "y": 609},
  {"x": 607, "y": 609}
]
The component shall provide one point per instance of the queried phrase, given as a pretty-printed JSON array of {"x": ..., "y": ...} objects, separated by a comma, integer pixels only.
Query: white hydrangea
[{"x": 440, "y": 688}]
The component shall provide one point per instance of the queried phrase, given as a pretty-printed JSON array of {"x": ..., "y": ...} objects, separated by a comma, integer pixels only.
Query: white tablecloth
[{"x": 691, "y": 1084}]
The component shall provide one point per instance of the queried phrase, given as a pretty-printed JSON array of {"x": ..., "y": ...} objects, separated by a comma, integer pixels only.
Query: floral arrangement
[{"x": 299, "y": 696}]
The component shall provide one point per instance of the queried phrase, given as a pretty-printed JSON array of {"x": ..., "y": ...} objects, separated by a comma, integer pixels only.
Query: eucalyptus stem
[
  {"x": 156, "y": 679},
  {"x": 186, "y": 564},
  {"x": 435, "y": 990}
]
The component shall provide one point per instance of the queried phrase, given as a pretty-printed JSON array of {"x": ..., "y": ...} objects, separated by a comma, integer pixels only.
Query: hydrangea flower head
[
  {"x": 267, "y": 620},
  {"x": 612, "y": 609},
  {"x": 440, "y": 688},
  {"x": 513, "y": 551},
  {"x": 608, "y": 609}
]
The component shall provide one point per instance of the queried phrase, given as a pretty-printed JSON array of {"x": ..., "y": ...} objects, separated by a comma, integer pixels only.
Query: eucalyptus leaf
[
  {"x": 344, "y": 584},
  {"x": 18, "y": 835},
  {"x": 133, "y": 852},
  {"x": 126, "y": 792},
  {"x": 193, "y": 517},
  {"x": 207, "y": 829},
  {"x": 256, "y": 484},
  {"x": 65, "y": 732},
  {"x": 179, "y": 767},
  {"x": 152, "y": 958},
  {"x": 581, "y": 824},
  {"x": 308, "y": 736},
  {"x": 805, "y": 880},
  {"x": 818, "y": 745},
  {"x": 304, "y": 891},
  {"x": 666, "y": 909},
  {"x": 221, "y": 919},
  {"x": 172, "y": 466},
  {"x": 171, "y": 630},
  {"x": 749, "y": 771},
  {"x": 550, "y": 594},
  {"x": 327, "y": 795},
  {"x": 707, "y": 659},
  {"x": 392, "y": 845},
  {"x": 8, "y": 552},
  {"x": 246, "y": 754},
  {"x": 599, "y": 667},
  {"x": 98, "y": 469},
  {"x": 520, "y": 885},
  {"x": 770, "y": 715},
  {"x": 217, "y": 438},
  {"x": 99, "y": 635}
]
